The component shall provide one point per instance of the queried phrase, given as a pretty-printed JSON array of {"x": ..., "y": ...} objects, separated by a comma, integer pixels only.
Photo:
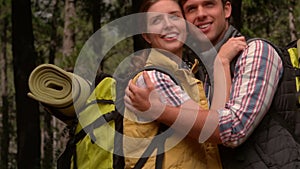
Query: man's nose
[{"x": 201, "y": 12}]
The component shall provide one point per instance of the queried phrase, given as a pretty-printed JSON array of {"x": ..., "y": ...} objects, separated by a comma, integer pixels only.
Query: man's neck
[{"x": 230, "y": 32}]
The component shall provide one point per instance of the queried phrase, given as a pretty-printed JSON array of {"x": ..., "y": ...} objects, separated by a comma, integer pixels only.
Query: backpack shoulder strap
[
  {"x": 157, "y": 142},
  {"x": 165, "y": 71}
]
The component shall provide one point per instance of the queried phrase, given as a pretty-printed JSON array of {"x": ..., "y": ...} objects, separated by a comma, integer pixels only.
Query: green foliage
[
  {"x": 116, "y": 55},
  {"x": 42, "y": 21},
  {"x": 116, "y": 9},
  {"x": 119, "y": 8},
  {"x": 268, "y": 19}
]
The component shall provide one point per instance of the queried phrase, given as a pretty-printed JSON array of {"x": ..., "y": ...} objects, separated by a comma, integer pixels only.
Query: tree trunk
[
  {"x": 5, "y": 106},
  {"x": 24, "y": 58},
  {"x": 48, "y": 140},
  {"x": 292, "y": 27},
  {"x": 138, "y": 41},
  {"x": 96, "y": 17},
  {"x": 96, "y": 14},
  {"x": 48, "y": 132},
  {"x": 53, "y": 34},
  {"x": 69, "y": 31},
  {"x": 236, "y": 14}
]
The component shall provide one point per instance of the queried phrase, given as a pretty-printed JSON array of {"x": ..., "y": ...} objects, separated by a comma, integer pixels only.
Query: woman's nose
[{"x": 168, "y": 23}]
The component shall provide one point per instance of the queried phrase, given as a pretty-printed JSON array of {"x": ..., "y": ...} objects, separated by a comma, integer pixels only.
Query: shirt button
[{"x": 202, "y": 102}]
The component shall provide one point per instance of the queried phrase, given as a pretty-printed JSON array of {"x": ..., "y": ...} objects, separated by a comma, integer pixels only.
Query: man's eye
[
  {"x": 190, "y": 9},
  {"x": 209, "y": 4}
]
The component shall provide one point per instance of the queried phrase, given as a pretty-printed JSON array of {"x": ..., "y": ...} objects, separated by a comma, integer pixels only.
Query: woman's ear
[{"x": 146, "y": 37}]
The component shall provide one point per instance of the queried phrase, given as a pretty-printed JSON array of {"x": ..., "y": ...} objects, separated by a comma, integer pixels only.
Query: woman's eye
[
  {"x": 155, "y": 20},
  {"x": 174, "y": 17}
]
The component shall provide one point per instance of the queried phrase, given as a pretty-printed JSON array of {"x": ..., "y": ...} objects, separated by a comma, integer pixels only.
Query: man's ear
[
  {"x": 147, "y": 39},
  {"x": 227, "y": 9}
]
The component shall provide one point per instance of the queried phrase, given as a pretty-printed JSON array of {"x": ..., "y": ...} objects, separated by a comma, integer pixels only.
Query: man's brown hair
[{"x": 182, "y": 2}]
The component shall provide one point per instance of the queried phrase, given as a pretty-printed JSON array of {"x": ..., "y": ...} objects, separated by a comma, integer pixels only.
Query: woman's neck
[{"x": 174, "y": 55}]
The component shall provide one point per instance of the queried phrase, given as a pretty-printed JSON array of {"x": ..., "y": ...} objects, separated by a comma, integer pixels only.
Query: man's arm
[{"x": 257, "y": 73}]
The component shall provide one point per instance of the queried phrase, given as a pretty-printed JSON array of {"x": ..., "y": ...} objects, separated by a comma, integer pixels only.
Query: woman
[{"x": 168, "y": 33}]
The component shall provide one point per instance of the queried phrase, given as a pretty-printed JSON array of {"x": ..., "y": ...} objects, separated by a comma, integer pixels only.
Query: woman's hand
[
  {"x": 143, "y": 102},
  {"x": 138, "y": 97}
]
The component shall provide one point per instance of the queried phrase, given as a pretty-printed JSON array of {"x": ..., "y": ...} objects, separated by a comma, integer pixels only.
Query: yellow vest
[{"x": 188, "y": 153}]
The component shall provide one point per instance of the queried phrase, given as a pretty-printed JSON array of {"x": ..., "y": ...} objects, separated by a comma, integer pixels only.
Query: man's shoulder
[
  {"x": 260, "y": 51},
  {"x": 262, "y": 43},
  {"x": 263, "y": 48}
]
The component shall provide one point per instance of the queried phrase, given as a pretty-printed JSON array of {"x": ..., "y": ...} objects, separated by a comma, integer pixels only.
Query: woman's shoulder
[{"x": 157, "y": 77}]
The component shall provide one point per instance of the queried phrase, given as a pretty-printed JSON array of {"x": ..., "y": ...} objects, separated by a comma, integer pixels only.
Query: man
[{"x": 243, "y": 123}]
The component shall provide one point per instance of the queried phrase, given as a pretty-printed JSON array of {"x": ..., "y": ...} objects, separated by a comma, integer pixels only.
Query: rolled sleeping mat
[{"x": 60, "y": 92}]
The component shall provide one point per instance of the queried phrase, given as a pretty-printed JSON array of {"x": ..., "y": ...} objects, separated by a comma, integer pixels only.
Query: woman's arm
[
  {"x": 205, "y": 122},
  {"x": 145, "y": 103}
]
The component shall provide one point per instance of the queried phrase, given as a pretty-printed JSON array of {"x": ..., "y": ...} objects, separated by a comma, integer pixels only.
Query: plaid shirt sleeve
[
  {"x": 170, "y": 92},
  {"x": 255, "y": 80}
]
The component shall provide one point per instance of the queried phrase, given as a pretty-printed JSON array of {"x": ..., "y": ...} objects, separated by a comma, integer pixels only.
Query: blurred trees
[
  {"x": 33, "y": 33},
  {"x": 69, "y": 29},
  {"x": 4, "y": 86},
  {"x": 272, "y": 20}
]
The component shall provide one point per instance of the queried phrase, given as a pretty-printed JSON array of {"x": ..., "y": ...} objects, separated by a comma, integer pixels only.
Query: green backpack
[
  {"x": 96, "y": 138},
  {"x": 91, "y": 144}
]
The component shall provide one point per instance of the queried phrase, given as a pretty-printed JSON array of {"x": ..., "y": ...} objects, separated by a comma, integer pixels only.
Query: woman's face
[{"x": 166, "y": 26}]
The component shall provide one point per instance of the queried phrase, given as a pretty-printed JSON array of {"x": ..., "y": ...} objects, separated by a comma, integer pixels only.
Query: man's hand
[{"x": 231, "y": 48}]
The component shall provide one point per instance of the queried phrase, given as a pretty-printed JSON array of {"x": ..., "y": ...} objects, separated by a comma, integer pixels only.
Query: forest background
[{"x": 52, "y": 31}]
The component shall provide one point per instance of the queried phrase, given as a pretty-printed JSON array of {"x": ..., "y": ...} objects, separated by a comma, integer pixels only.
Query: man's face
[{"x": 210, "y": 16}]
